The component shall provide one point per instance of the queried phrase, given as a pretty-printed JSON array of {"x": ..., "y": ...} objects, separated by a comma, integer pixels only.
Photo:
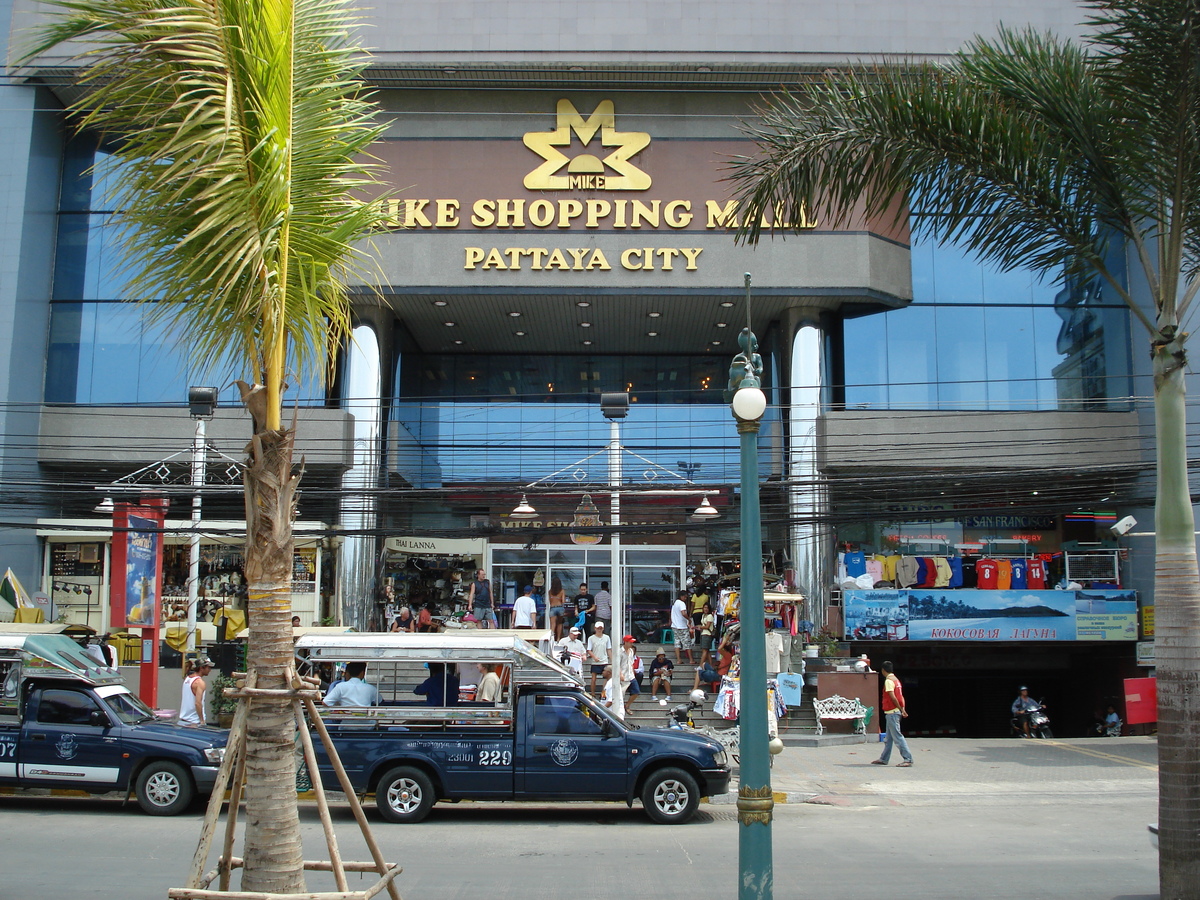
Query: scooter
[
  {"x": 679, "y": 718},
  {"x": 1039, "y": 722}
]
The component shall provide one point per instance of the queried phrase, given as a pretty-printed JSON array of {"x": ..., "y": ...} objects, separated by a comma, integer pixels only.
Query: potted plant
[
  {"x": 827, "y": 643},
  {"x": 223, "y": 707}
]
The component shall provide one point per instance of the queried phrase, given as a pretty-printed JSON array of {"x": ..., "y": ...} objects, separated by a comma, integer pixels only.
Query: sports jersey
[
  {"x": 1020, "y": 572},
  {"x": 956, "y": 572},
  {"x": 1004, "y": 574},
  {"x": 1036, "y": 576},
  {"x": 986, "y": 571}
]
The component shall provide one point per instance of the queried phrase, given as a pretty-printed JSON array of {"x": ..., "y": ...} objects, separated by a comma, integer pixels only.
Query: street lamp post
[
  {"x": 755, "y": 801},
  {"x": 202, "y": 401},
  {"x": 615, "y": 407}
]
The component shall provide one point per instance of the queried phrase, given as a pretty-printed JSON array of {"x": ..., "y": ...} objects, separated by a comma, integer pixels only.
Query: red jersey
[
  {"x": 893, "y": 694},
  {"x": 1036, "y": 576},
  {"x": 987, "y": 572}
]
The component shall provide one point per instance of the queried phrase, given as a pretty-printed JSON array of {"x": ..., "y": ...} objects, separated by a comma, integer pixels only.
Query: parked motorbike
[
  {"x": 1039, "y": 722},
  {"x": 679, "y": 717}
]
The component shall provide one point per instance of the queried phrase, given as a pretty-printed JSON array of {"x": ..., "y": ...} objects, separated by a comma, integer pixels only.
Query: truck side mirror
[{"x": 97, "y": 718}]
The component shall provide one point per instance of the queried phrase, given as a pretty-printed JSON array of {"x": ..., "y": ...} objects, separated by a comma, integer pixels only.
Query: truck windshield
[{"x": 125, "y": 706}]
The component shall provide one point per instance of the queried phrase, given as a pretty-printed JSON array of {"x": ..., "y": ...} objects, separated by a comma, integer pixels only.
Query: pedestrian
[
  {"x": 405, "y": 620},
  {"x": 699, "y": 598},
  {"x": 661, "y": 670},
  {"x": 598, "y": 649},
  {"x": 557, "y": 602},
  {"x": 706, "y": 625},
  {"x": 603, "y": 603},
  {"x": 295, "y": 621},
  {"x": 894, "y": 710},
  {"x": 479, "y": 599},
  {"x": 609, "y": 688},
  {"x": 191, "y": 702},
  {"x": 628, "y": 673},
  {"x": 525, "y": 609},
  {"x": 572, "y": 652},
  {"x": 682, "y": 628},
  {"x": 585, "y": 608}
]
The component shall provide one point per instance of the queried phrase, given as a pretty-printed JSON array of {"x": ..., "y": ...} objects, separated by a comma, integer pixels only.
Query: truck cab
[
  {"x": 543, "y": 738},
  {"x": 68, "y": 722}
]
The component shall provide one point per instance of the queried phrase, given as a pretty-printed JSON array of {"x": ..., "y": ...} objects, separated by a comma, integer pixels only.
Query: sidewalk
[{"x": 988, "y": 770}]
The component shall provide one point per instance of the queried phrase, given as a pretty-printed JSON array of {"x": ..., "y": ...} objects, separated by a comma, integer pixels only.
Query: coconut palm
[
  {"x": 240, "y": 126},
  {"x": 1031, "y": 150}
]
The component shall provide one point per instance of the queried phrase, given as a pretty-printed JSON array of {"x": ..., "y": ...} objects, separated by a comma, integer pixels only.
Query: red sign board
[{"x": 1141, "y": 701}]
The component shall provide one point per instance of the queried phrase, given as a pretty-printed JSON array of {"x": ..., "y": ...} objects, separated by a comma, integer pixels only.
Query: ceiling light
[
  {"x": 652, "y": 334},
  {"x": 705, "y": 510},
  {"x": 439, "y": 302},
  {"x": 458, "y": 342},
  {"x": 105, "y": 507},
  {"x": 727, "y": 303},
  {"x": 655, "y": 315},
  {"x": 716, "y": 343},
  {"x": 523, "y": 510},
  {"x": 514, "y": 314},
  {"x": 448, "y": 324},
  {"x": 519, "y": 333},
  {"x": 587, "y": 343},
  {"x": 585, "y": 324},
  {"x": 583, "y": 304},
  {"x": 722, "y": 324}
]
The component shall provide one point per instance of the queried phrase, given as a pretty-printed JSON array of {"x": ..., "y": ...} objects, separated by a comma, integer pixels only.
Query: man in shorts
[
  {"x": 599, "y": 648},
  {"x": 682, "y": 628}
]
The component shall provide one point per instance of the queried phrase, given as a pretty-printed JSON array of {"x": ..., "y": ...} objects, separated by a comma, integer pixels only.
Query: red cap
[{"x": 629, "y": 639}]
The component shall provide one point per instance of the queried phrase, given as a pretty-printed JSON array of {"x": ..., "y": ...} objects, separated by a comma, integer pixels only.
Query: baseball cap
[
  {"x": 204, "y": 661},
  {"x": 576, "y": 631},
  {"x": 529, "y": 587},
  {"x": 629, "y": 639}
]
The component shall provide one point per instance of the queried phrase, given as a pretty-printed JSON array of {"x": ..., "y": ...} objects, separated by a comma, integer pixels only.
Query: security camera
[{"x": 1124, "y": 526}]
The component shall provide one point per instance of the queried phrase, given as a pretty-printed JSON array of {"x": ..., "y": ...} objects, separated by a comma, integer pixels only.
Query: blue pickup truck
[
  {"x": 67, "y": 722},
  {"x": 540, "y": 737}
]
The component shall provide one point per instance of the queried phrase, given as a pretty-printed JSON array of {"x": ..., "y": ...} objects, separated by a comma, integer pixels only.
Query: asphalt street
[{"x": 972, "y": 818}]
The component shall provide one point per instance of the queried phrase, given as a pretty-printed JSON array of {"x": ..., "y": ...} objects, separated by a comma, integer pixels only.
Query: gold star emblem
[{"x": 587, "y": 171}]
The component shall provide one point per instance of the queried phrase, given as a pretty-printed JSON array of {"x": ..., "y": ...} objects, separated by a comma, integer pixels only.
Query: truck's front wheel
[
  {"x": 404, "y": 795},
  {"x": 164, "y": 788},
  {"x": 670, "y": 796}
]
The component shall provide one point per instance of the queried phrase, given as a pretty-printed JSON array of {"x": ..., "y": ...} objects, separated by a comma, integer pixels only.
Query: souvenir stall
[{"x": 427, "y": 572}]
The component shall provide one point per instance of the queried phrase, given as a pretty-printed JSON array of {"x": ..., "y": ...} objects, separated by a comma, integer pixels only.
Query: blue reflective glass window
[
  {"x": 912, "y": 348},
  {"x": 866, "y": 354},
  {"x": 1011, "y": 357},
  {"x": 962, "y": 348}
]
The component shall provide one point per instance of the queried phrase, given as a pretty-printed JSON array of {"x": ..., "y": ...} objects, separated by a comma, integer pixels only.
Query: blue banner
[
  {"x": 141, "y": 572},
  {"x": 947, "y": 614}
]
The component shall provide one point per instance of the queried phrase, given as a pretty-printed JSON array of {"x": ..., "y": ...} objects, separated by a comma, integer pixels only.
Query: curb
[{"x": 730, "y": 798}]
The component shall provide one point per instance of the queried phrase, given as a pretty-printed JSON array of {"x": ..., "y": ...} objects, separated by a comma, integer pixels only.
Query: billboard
[
  {"x": 947, "y": 614},
  {"x": 137, "y": 566}
]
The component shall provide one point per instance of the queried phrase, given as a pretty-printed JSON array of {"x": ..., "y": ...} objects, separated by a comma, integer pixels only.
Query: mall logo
[{"x": 587, "y": 170}]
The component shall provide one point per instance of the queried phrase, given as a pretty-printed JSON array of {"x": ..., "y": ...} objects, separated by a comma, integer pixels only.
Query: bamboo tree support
[{"x": 303, "y": 693}]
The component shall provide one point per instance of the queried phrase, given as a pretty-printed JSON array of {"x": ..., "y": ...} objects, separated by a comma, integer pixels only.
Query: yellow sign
[
  {"x": 587, "y": 171},
  {"x": 1148, "y": 621}
]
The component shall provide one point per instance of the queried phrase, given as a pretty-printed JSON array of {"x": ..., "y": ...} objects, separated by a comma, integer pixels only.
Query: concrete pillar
[
  {"x": 359, "y": 513},
  {"x": 810, "y": 537}
]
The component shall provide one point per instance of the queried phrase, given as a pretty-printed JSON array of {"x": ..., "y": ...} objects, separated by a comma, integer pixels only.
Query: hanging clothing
[
  {"x": 987, "y": 570},
  {"x": 943, "y": 572},
  {"x": 1036, "y": 575},
  {"x": 907, "y": 570},
  {"x": 1003, "y": 574},
  {"x": 1020, "y": 572},
  {"x": 856, "y": 564},
  {"x": 774, "y": 654},
  {"x": 956, "y": 572}
]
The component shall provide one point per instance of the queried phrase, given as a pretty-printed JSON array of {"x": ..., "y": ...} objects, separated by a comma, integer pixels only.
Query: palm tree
[
  {"x": 1031, "y": 150},
  {"x": 241, "y": 127}
]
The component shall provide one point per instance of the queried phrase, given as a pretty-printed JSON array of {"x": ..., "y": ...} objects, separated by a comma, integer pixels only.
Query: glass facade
[
  {"x": 104, "y": 350},
  {"x": 977, "y": 338}
]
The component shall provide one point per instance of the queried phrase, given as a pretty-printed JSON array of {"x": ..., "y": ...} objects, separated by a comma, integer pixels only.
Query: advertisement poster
[
  {"x": 936, "y": 614},
  {"x": 141, "y": 572},
  {"x": 136, "y": 566}
]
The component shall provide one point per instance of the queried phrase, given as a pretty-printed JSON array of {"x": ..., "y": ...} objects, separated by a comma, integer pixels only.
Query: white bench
[{"x": 839, "y": 707}]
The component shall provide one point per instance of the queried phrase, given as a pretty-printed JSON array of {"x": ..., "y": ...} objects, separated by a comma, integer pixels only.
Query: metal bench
[{"x": 839, "y": 707}]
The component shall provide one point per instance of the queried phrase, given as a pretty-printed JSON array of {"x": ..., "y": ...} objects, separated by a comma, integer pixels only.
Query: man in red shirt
[{"x": 893, "y": 711}]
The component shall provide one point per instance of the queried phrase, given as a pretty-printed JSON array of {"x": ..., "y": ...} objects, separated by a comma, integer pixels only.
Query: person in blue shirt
[
  {"x": 441, "y": 687},
  {"x": 353, "y": 690},
  {"x": 1021, "y": 708}
]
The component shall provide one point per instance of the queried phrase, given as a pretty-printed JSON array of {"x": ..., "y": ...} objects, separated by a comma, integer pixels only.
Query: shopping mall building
[{"x": 561, "y": 227}]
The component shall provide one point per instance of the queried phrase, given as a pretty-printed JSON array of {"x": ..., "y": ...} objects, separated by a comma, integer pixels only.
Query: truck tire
[
  {"x": 404, "y": 795},
  {"x": 164, "y": 788},
  {"x": 670, "y": 796}
]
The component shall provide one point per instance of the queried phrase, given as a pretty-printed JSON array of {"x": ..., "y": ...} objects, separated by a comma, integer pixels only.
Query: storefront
[{"x": 77, "y": 573}]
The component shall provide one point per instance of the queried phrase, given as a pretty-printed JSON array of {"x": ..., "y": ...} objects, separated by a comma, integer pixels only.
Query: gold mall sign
[{"x": 593, "y": 180}]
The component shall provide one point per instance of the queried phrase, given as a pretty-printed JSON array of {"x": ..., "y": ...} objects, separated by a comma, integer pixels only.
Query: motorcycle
[
  {"x": 1039, "y": 722},
  {"x": 679, "y": 718}
]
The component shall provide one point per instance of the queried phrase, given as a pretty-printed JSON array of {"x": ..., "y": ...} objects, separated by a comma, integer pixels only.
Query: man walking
[
  {"x": 479, "y": 599},
  {"x": 603, "y": 601},
  {"x": 893, "y": 711},
  {"x": 598, "y": 649}
]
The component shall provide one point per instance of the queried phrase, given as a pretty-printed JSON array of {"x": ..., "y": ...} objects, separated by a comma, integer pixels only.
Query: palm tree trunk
[
  {"x": 1177, "y": 635},
  {"x": 273, "y": 853}
]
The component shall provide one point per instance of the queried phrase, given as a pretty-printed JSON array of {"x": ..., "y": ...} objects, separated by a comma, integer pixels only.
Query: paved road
[{"x": 972, "y": 819}]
